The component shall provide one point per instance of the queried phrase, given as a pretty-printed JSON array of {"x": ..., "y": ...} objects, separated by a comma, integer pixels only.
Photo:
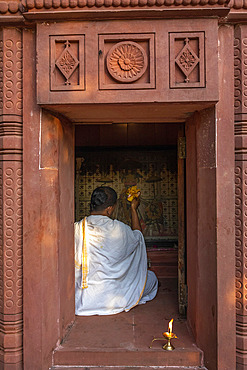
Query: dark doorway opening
[
  {"x": 153, "y": 170},
  {"x": 142, "y": 155},
  {"x": 123, "y": 339}
]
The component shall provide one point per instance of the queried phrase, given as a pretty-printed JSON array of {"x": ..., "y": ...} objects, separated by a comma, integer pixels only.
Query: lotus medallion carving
[{"x": 126, "y": 61}]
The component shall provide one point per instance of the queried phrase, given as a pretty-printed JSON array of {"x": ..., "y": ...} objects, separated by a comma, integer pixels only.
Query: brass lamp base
[{"x": 168, "y": 346}]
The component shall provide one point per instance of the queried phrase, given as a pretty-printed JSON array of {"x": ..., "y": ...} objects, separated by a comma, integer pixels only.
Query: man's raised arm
[{"x": 135, "y": 222}]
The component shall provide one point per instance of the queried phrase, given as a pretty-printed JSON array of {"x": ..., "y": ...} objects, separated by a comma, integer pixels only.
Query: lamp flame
[{"x": 170, "y": 326}]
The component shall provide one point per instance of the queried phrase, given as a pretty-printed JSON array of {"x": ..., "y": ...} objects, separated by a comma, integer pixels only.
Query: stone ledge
[
  {"x": 8, "y": 8},
  {"x": 75, "y": 4}
]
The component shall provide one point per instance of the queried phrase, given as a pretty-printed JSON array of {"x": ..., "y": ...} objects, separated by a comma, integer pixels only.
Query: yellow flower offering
[{"x": 132, "y": 193}]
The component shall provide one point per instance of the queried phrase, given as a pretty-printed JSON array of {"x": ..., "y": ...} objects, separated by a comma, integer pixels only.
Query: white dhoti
[{"x": 111, "y": 267}]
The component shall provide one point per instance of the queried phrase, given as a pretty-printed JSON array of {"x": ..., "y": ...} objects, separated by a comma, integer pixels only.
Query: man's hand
[
  {"x": 135, "y": 223},
  {"x": 135, "y": 202}
]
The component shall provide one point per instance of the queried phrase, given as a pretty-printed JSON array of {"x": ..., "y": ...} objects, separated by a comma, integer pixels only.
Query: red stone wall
[
  {"x": 225, "y": 201},
  {"x": 210, "y": 226},
  {"x": 48, "y": 240},
  {"x": 201, "y": 212},
  {"x": 11, "y": 198},
  {"x": 48, "y": 200}
]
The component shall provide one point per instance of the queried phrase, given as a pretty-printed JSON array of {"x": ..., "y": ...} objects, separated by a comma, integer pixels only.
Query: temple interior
[{"x": 146, "y": 157}]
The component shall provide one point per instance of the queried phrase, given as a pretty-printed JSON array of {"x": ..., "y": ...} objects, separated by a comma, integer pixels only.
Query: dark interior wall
[
  {"x": 191, "y": 220},
  {"x": 127, "y": 134},
  {"x": 66, "y": 225}
]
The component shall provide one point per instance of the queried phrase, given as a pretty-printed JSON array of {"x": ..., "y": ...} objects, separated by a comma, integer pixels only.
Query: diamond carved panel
[
  {"x": 126, "y": 61},
  {"x": 187, "y": 65},
  {"x": 67, "y": 63}
]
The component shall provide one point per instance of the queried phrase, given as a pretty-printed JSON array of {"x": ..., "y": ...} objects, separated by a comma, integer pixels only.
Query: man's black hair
[{"x": 102, "y": 197}]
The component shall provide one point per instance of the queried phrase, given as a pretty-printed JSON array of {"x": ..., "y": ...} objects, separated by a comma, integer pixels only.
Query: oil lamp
[{"x": 168, "y": 335}]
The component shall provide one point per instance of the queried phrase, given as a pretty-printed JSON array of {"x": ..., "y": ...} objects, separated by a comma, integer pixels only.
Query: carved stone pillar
[
  {"x": 11, "y": 198},
  {"x": 241, "y": 191}
]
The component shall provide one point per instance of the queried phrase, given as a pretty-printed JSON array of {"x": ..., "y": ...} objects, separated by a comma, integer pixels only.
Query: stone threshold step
[
  {"x": 78, "y": 357},
  {"x": 128, "y": 368}
]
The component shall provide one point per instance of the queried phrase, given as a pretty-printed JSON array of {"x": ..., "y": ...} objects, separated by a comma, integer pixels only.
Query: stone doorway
[
  {"x": 96, "y": 148},
  {"x": 48, "y": 151}
]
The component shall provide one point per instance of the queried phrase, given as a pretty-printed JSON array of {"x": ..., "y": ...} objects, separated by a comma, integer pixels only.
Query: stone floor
[{"x": 121, "y": 342}]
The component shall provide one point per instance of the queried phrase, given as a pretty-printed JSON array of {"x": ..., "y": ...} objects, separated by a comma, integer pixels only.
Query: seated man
[{"x": 110, "y": 259}]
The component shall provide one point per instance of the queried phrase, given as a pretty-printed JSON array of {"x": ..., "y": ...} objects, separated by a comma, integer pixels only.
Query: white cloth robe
[{"x": 116, "y": 266}]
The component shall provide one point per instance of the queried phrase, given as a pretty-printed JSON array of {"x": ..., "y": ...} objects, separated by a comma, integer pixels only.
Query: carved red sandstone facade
[
  {"x": 241, "y": 190},
  {"x": 125, "y": 61},
  {"x": 11, "y": 197}
]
